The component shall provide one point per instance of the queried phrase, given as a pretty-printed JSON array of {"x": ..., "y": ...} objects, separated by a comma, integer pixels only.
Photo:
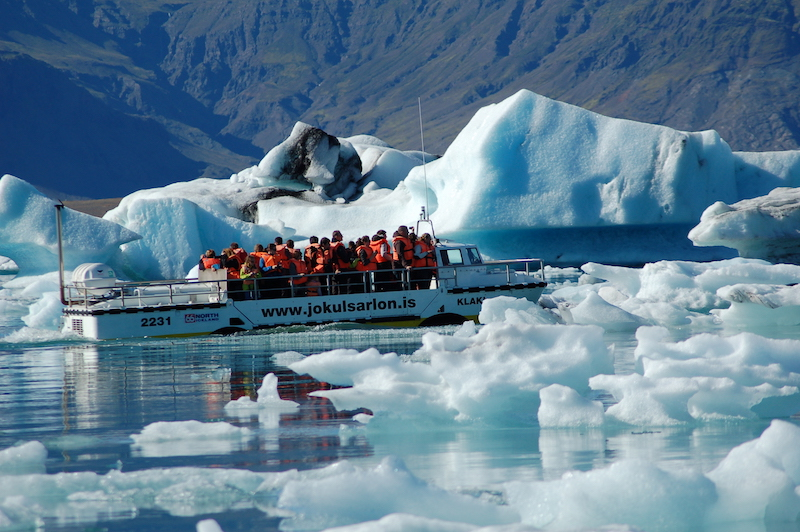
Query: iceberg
[
  {"x": 766, "y": 227},
  {"x": 29, "y": 237}
]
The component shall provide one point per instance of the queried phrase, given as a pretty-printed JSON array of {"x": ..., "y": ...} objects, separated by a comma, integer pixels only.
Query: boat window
[
  {"x": 474, "y": 256},
  {"x": 451, "y": 256}
]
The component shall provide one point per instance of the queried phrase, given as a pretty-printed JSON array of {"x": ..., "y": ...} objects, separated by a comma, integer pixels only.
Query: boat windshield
[
  {"x": 451, "y": 256},
  {"x": 474, "y": 256}
]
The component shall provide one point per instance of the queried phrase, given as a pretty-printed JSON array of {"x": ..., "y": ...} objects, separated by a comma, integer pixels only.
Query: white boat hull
[{"x": 404, "y": 308}]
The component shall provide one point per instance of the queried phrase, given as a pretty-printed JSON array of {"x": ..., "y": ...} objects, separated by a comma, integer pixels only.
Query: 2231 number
[{"x": 155, "y": 322}]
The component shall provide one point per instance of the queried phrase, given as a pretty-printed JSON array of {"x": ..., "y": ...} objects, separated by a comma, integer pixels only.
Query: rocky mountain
[{"x": 102, "y": 97}]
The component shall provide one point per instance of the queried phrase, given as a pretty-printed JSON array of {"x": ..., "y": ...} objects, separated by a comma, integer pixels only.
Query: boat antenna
[
  {"x": 424, "y": 215},
  {"x": 59, "y": 206}
]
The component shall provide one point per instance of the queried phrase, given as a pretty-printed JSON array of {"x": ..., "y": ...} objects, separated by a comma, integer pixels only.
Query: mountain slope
[{"x": 222, "y": 82}]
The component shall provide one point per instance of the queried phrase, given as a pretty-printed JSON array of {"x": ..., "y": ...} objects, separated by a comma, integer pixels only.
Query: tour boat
[{"x": 99, "y": 306}]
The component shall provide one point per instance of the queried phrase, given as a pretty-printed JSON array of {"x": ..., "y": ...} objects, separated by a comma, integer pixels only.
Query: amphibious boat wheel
[
  {"x": 227, "y": 331},
  {"x": 448, "y": 318}
]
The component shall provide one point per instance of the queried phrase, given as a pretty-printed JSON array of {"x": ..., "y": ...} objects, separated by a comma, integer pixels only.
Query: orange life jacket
[
  {"x": 371, "y": 265},
  {"x": 408, "y": 250},
  {"x": 310, "y": 254},
  {"x": 233, "y": 271},
  {"x": 268, "y": 259},
  {"x": 322, "y": 259},
  {"x": 209, "y": 262},
  {"x": 429, "y": 260},
  {"x": 301, "y": 272},
  {"x": 283, "y": 256},
  {"x": 241, "y": 254},
  {"x": 375, "y": 245},
  {"x": 336, "y": 259}
]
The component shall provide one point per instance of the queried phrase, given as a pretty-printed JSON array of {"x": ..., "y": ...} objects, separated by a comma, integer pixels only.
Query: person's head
[
  {"x": 290, "y": 244},
  {"x": 278, "y": 241},
  {"x": 298, "y": 254},
  {"x": 210, "y": 253},
  {"x": 325, "y": 243},
  {"x": 259, "y": 248},
  {"x": 426, "y": 237},
  {"x": 234, "y": 246},
  {"x": 337, "y": 236},
  {"x": 272, "y": 249},
  {"x": 376, "y": 237},
  {"x": 227, "y": 252},
  {"x": 250, "y": 261},
  {"x": 381, "y": 233},
  {"x": 313, "y": 240},
  {"x": 402, "y": 230}
]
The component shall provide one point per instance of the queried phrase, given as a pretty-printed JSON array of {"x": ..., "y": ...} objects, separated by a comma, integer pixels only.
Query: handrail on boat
[{"x": 139, "y": 294}]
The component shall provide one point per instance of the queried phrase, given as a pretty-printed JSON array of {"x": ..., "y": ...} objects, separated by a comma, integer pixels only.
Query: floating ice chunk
[
  {"x": 401, "y": 522},
  {"x": 8, "y": 266},
  {"x": 267, "y": 399},
  {"x": 644, "y": 401},
  {"x": 208, "y": 525},
  {"x": 45, "y": 313},
  {"x": 189, "y": 438},
  {"x": 594, "y": 310},
  {"x": 746, "y": 358},
  {"x": 758, "y": 480},
  {"x": 564, "y": 407},
  {"x": 626, "y": 280},
  {"x": 514, "y": 310},
  {"x": 343, "y": 494},
  {"x": 23, "y": 459},
  {"x": 484, "y": 375},
  {"x": 184, "y": 491},
  {"x": 630, "y": 491},
  {"x": 765, "y": 227},
  {"x": 760, "y": 306}
]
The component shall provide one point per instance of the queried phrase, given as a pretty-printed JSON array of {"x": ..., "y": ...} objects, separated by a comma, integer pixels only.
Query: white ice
[
  {"x": 28, "y": 233},
  {"x": 189, "y": 438},
  {"x": 267, "y": 407},
  {"x": 756, "y": 485}
]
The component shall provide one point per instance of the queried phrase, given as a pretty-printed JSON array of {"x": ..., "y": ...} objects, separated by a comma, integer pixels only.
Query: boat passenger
[
  {"x": 364, "y": 263},
  {"x": 340, "y": 263},
  {"x": 240, "y": 253},
  {"x": 298, "y": 270},
  {"x": 209, "y": 261},
  {"x": 249, "y": 273},
  {"x": 282, "y": 256},
  {"x": 424, "y": 263},
  {"x": 271, "y": 285},
  {"x": 382, "y": 255},
  {"x": 310, "y": 254},
  {"x": 231, "y": 263},
  {"x": 403, "y": 250}
]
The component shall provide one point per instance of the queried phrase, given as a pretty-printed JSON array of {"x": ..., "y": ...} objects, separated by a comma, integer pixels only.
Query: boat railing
[{"x": 122, "y": 295}]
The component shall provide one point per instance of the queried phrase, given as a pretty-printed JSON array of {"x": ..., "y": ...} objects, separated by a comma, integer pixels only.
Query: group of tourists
[{"x": 328, "y": 265}]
